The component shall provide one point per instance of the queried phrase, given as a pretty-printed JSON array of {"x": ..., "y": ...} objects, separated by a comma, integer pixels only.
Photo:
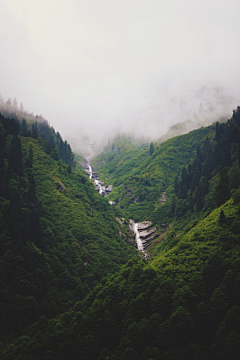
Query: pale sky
[{"x": 91, "y": 67}]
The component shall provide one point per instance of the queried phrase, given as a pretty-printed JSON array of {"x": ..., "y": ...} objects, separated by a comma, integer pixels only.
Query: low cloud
[{"x": 95, "y": 69}]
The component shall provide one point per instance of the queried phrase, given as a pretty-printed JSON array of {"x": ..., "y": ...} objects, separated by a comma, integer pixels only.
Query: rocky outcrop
[
  {"x": 163, "y": 197},
  {"x": 144, "y": 225},
  {"x": 108, "y": 189},
  {"x": 99, "y": 184},
  {"x": 135, "y": 200},
  {"x": 146, "y": 232}
]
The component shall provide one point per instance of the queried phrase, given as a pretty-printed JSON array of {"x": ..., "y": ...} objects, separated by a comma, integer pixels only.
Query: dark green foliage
[
  {"x": 222, "y": 189},
  {"x": 222, "y": 218},
  {"x": 52, "y": 141},
  {"x": 185, "y": 304},
  {"x": 151, "y": 148},
  {"x": 140, "y": 179},
  {"x": 58, "y": 237}
]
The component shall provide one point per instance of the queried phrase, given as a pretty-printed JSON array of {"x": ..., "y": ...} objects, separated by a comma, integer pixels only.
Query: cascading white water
[
  {"x": 90, "y": 171},
  {"x": 99, "y": 186},
  {"x": 88, "y": 158},
  {"x": 137, "y": 236}
]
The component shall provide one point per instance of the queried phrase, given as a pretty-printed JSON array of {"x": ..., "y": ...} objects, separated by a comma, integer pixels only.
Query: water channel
[
  {"x": 101, "y": 189},
  {"x": 137, "y": 237},
  {"x": 90, "y": 172}
]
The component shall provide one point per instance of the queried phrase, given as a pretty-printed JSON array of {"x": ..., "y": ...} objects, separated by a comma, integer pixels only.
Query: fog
[{"x": 97, "y": 68}]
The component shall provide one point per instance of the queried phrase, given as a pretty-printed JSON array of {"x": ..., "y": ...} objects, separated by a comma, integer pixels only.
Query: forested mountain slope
[
  {"x": 58, "y": 236},
  {"x": 139, "y": 177},
  {"x": 196, "y": 172},
  {"x": 183, "y": 304}
]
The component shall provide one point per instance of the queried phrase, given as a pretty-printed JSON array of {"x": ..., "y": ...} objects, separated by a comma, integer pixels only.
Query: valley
[{"x": 129, "y": 254}]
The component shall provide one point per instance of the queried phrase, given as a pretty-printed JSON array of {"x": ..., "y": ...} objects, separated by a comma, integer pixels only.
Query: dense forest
[
  {"x": 72, "y": 287},
  {"x": 58, "y": 237}
]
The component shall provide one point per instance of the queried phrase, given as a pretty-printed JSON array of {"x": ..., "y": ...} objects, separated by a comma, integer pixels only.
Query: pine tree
[
  {"x": 15, "y": 103},
  {"x": 151, "y": 148},
  {"x": 222, "y": 189},
  {"x": 24, "y": 128},
  {"x": 222, "y": 218}
]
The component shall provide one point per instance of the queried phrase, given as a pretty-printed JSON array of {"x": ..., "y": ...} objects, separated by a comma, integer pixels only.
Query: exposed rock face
[
  {"x": 144, "y": 225},
  {"x": 121, "y": 221},
  {"x": 146, "y": 232},
  {"x": 163, "y": 198},
  {"x": 148, "y": 239},
  {"x": 109, "y": 188},
  {"x": 131, "y": 226},
  {"x": 99, "y": 185},
  {"x": 135, "y": 200},
  {"x": 94, "y": 175}
]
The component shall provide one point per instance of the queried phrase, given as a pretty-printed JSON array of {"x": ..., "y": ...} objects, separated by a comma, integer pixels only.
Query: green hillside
[
  {"x": 183, "y": 305},
  {"x": 59, "y": 237},
  {"x": 71, "y": 285},
  {"x": 140, "y": 178}
]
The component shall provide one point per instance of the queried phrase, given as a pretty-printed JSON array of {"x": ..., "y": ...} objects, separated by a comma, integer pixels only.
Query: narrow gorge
[{"x": 143, "y": 232}]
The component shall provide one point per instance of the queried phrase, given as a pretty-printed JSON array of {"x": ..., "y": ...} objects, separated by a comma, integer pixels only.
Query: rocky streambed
[
  {"x": 144, "y": 232},
  {"x": 99, "y": 184}
]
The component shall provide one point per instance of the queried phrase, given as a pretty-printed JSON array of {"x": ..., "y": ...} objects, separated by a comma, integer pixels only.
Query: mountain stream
[
  {"x": 138, "y": 239},
  {"x": 90, "y": 172},
  {"x": 101, "y": 189}
]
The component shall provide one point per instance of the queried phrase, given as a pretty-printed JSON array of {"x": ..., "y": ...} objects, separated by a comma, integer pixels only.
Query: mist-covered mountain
[{"x": 72, "y": 287}]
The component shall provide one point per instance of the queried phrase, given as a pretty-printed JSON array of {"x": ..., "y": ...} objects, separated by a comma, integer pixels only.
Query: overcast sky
[{"x": 91, "y": 66}]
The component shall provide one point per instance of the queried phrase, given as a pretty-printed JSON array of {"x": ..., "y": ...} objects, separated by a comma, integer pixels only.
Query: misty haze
[
  {"x": 96, "y": 69},
  {"x": 119, "y": 180}
]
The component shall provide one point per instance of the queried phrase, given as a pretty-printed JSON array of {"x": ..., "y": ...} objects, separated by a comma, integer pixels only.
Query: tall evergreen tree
[{"x": 151, "y": 148}]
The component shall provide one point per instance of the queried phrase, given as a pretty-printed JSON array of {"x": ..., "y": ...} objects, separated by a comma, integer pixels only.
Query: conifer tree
[
  {"x": 151, "y": 148},
  {"x": 222, "y": 189}
]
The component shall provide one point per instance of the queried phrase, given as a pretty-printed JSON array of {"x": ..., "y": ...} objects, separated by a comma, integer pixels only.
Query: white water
[
  {"x": 88, "y": 158},
  {"x": 90, "y": 171},
  {"x": 137, "y": 236},
  {"x": 99, "y": 186}
]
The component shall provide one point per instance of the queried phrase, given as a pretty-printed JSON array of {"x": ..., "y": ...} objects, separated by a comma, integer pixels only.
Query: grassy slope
[
  {"x": 76, "y": 245},
  {"x": 183, "y": 305},
  {"x": 140, "y": 178},
  {"x": 77, "y": 215}
]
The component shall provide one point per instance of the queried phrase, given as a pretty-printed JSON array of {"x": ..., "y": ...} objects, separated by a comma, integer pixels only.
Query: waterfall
[
  {"x": 90, "y": 171},
  {"x": 137, "y": 236},
  {"x": 88, "y": 158}
]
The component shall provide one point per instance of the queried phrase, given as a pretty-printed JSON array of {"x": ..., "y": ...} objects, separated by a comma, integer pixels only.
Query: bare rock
[
  {"x": 135, "y": 200},
  {"x": 150, "y": 238},
  {"x": 144, "y": 225},
  {"x": 147, "y": 232},
  {"x": 163, "y": 197}
]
